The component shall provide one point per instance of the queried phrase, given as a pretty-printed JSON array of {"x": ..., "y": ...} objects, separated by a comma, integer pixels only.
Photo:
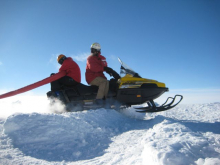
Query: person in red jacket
[
  {"x": 95, "y": 66},
  {"x": 73, "y": 73}
]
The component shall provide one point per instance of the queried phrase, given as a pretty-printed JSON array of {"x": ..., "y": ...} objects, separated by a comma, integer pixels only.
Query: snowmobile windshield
[{"x": 125, "y": 69}]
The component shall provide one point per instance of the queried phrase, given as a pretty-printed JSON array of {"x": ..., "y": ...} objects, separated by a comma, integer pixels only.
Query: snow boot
[{"x": 99, "y": 102}]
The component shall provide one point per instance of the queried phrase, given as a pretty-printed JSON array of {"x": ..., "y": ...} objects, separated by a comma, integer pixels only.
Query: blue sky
[{"x": 173, "y": 41}]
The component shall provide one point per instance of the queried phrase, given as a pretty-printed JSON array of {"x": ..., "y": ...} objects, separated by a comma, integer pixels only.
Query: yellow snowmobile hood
[{"x": 128, "y": 81}]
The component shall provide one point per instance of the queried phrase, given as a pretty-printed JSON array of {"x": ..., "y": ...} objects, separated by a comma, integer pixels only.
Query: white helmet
[{"x": 96, "y": 46}]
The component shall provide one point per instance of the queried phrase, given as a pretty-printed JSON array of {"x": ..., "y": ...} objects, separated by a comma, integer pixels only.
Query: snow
[{"x": 32, "y": 134}]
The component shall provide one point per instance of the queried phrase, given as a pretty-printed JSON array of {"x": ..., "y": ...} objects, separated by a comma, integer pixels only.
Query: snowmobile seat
[
  {"x": 86, "y": 90},
  {"x": 81, "y": 89}
]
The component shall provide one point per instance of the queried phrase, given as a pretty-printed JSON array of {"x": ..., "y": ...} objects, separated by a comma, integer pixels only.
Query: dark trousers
[{"x": 64, "y": 81}]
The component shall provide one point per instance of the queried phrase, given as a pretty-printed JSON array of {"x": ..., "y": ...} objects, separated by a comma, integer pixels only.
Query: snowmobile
[{"x": 130, "y": 89}]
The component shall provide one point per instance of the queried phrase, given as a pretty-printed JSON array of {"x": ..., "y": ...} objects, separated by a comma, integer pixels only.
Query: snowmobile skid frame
[{"x": 153, "y": 108}]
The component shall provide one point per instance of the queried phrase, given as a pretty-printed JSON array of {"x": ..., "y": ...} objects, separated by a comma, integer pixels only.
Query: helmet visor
[
  {"x": 93, "y": 50},
  {"x": 61, "y": 60}
]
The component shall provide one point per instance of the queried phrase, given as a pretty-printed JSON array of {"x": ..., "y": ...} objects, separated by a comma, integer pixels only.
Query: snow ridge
[{"x": 188, "y": 134}]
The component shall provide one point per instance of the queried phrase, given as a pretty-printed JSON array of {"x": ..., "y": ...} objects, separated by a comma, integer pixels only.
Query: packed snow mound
[
  {"x": 187, "y": 134},
  {"x": 180, "y": 144},
  {"x": 70, "y": 136}
]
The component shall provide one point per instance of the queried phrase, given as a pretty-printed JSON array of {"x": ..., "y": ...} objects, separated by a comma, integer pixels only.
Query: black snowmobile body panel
[{"x": 132, "y": 96}]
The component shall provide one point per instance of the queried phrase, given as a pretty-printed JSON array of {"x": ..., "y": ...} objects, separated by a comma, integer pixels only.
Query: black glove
[{"x": 107, "y": 69}]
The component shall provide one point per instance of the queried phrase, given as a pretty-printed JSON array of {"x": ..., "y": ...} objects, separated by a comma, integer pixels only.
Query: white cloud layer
[
  {"x": 193, "y": 96},
  {"x": 80, "y": 57},
  {"x": 53, "y": 61}
]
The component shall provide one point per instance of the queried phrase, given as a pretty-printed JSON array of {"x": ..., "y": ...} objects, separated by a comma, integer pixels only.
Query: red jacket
[
  {"x": 95, "y": 67},
  {"x": 72, "y": 69}
]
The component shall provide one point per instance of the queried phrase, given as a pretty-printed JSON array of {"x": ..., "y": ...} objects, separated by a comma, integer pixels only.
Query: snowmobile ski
[{"x": 153, "y": 108}]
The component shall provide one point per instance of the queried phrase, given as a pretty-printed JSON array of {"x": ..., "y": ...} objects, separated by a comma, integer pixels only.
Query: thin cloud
[
  {"x": 193, "y": 96},
  {"x": 81, "y": 57},
  {"x": 53, "y": 58},
  {"x": 202, "y": 90},
  {"x": 2, "y": 91},
  {"x": 113, "y": 57},
  {"x": 53, "y": 61}
]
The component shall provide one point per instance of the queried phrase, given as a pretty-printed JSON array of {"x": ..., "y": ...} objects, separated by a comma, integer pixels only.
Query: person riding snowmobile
[
  {"x": 96, "y": 65},
  {"x": 73, "y": 73}
]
